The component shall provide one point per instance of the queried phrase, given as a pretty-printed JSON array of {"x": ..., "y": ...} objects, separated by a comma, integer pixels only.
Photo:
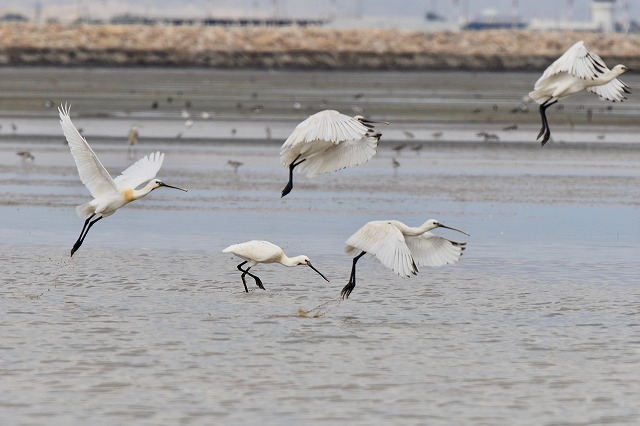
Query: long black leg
[
  {"x": 83, "y": 234},
  {"x": 242, "y": 276},
  {"x": 86, "y": 222},
  {"x": 545, "y": 130},
  {"x": 287, "y": 189},
  {"x": 346, "y": 291},
  {"x": 246, "y": 272}
]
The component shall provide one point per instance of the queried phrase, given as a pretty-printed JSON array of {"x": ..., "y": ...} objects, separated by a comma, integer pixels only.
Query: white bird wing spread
[
  {"x": 431, "y": 250},
  {"x": 336, "y": 157},
  {"x": 92, "y": 173},
  {"x": 141, "y": 171},
  {"x": 337, "y": 140},
  {"x": 577, "y": 61},
  {"x": 387, "y": 244},
  {"x": 612, "y": 91}
]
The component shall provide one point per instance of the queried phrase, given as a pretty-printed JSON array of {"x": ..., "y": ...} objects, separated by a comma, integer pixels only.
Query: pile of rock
[{"x": 297, "y": 48}]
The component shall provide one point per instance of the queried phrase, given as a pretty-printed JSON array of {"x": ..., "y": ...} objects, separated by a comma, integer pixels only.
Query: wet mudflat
[{"x": 149, "y": 324}]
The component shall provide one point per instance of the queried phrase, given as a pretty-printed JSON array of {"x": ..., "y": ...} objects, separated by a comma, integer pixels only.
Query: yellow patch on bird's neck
[{"x": 128, "y": 195}]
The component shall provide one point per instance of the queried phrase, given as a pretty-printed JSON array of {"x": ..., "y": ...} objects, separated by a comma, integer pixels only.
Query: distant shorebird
[
  {"x": 512, "y": 127},
  {"x": 235, "y": 164},
  {"x": 108, "y": 194},
  {"x": 255, "y": 252},
  {"x": 395, "y": 164},
  {"x": 399, "y": 147},
  {"x": 132, "y": 139},
  {"x": 326, "y": 142},
  {"x": 489, "y": 137},
  {"x": 26, "y": 155},
  {"x": 401, "y": 248},
  {"x": 576, "y": 70},
  {"x": 437, "y": 135},
  {"x": 417, "y": 147},
  {"x": 408, "y": 135}
]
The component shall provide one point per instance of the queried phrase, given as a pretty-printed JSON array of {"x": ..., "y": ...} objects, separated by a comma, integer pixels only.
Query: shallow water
[{"x": 149, "y": 324}]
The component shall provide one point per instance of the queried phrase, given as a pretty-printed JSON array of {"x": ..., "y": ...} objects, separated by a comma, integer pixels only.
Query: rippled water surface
[{"x": 148, "y": 323}]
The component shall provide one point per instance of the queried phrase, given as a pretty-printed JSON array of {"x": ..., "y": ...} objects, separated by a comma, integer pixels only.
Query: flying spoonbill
[
  {"x": 108, "y": 194},
  {"x": 328, "y": 141},
  {"x": 401, "y": 248},
  {"x": 576, "y": 70},
  {"x": 256, "y": 252}
]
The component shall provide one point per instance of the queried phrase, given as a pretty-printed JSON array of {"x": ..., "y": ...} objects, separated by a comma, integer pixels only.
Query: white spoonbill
[
  {"x": 256, "y": 251},
  {"x": 108, "y": 194},
  {"x": 401, "y": 248},
  {"x": 576, "y": 70},
  {"x": 328, "y": 141}
]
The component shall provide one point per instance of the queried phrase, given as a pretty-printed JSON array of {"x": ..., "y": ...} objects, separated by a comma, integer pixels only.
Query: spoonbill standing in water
[
  {"x": 401, "y": 248},
  {"x": 576, "y": 70},
  {"x": 255, "y": 252},
  {"x": 328, "y": 141},
  {"x": 108, "y": 194}
]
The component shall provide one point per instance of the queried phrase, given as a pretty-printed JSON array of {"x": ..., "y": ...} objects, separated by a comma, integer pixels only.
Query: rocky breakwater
[{"x": 297, "y": 48}]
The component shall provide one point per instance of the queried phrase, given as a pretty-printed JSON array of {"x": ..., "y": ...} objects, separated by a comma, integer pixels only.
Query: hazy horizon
[{"x": 69, "y": 10}]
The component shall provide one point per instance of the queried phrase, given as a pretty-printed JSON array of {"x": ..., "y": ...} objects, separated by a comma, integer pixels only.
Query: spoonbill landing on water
[
  {"x": 576, "y": 70},
  {"x": 108, "y": 194},
  {"x": 328, "y": 141},
  {"x": 401, "y": 248},
  {"x": 255, "y": 252}
]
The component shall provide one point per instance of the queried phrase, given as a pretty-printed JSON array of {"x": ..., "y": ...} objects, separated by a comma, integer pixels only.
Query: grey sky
[{"x": 66, "y": 10}]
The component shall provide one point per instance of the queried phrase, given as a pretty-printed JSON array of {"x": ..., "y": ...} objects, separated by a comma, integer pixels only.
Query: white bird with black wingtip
[
  {"x": 108, "y": 194},
  {"x": 328, "y": 141},
  {"x": 576, "y": 70},
  {"x": 401, "y": 248}
]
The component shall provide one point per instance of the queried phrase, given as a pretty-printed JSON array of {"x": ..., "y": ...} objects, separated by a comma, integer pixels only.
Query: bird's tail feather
[{"x": 84, "y": 210}]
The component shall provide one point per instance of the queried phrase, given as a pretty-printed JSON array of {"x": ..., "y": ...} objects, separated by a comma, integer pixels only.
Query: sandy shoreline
[{"x": 297, "y": 48}]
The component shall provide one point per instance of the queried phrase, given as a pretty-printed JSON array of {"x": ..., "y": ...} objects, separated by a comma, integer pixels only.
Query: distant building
[
  {"x": 491, "y": 20},
  {"x": 13, "y": 17},
  {"x": 602, "y": 20}
]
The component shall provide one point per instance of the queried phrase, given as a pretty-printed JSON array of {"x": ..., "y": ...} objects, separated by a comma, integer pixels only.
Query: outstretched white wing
[
  {"x": 431, "y": 250},
  {"x": 92, "y": 173},
  {"x": 329, "y": 141},
  {"x": 336, "y": 157},
  {"x": 614, "y": 90},
  {"x": 387, "y": 244},
  {"x": 141, "y": 171},
  {"x": 577, "y": 61}
]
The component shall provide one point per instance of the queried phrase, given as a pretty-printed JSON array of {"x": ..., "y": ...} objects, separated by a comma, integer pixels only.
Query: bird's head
[
  {"x": 304, "y": 260},
  {"x": 434, "y": 223},
  {"x": 620, "y": 69},
  {"x": 157, "y": 183}
]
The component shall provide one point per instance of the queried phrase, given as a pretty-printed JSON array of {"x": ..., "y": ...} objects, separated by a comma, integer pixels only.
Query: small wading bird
[
  {"x": 255, "y": 252},
  {"x": 235, "y": 164},
  {"x": 26, "y": 155},
  {"x": 108, "y": 194},
  {"x": 576, "y": 70},
  {"x": 401, "y": 248},
  {"x": 132, "y": 139},
  {"x": 326, "y": 142}
]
